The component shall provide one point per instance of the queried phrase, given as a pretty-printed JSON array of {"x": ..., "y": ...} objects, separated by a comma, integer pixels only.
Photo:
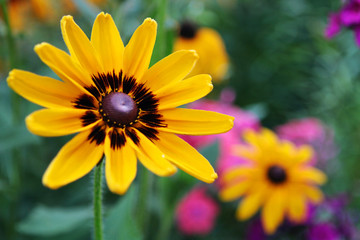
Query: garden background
[{"x": 281, "y": 68}]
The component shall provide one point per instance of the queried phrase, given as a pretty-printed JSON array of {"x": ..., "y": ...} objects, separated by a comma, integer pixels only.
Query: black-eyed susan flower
[
  {"x": 277, "y": 177},
  {"x": 118, "y": 105},
  {"x": 210, "y": 47}
]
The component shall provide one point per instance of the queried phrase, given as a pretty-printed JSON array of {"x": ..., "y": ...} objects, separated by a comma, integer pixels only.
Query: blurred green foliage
[{"x": 280, "y": 63}]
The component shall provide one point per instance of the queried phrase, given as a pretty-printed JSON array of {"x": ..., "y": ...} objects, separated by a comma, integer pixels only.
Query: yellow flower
[
  {"x": 210, "y": 47},
  {"x": 277, "y": 178},
  {"x": 120, "y": 106},
  {"x": 20, "y": 10}
]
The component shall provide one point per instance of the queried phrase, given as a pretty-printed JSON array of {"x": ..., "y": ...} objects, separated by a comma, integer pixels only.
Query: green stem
[
  {"x": 9, "y": 35},
  {"x": 98, "y": 226},
  {"x": 15, "y": 169},
  {"x": 146, "y": 182}
]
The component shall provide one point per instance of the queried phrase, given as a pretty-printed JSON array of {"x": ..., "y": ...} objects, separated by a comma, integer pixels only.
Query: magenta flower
[
  {"x": 310, "y": 131},
  {"x": 334, "y": 26},
  {"x": 348, "y": 17},
  {"x": 196, "y": 213},
  {"x": 323, "y": 231}
]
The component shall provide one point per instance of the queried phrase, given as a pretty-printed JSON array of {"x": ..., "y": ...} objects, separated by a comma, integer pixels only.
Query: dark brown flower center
[
  {"x": 119, "y": 108},
  {"x": 188, "y": 29},
  {"x": 276, "y": 174}
]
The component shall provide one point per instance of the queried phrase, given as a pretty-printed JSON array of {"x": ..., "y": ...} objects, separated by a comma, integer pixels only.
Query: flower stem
[
  {"x": 9, "y": 34},
  {"x": 146, "y": 183},
  {"x": 98, "y": 226}
]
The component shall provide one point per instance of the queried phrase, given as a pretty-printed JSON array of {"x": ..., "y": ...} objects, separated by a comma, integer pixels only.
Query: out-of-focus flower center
[
  {"x": 188, "y": 29},
  {"x": 276, "y": 174},
  {"x": 119, "y": 109}
]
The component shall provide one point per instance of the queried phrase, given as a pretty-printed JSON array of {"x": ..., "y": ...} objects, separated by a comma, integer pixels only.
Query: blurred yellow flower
[
  {"x": 210, "y": 47},
  {"x": 277, "y": 178},
  {"x": 21, "y": 10},
  {"x": 120, "y": 106}
]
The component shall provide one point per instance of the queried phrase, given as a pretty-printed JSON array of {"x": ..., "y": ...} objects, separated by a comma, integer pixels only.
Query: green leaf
[
  {"x": 46, "y": 221},
  {"x": 12, "y": 137},
  {"x": 120, "y": 222}
]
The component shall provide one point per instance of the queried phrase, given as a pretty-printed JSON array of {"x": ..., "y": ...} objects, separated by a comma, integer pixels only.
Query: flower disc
[
  {"x": 120, "y": 108},
  {"x": 276, "y": 174}
]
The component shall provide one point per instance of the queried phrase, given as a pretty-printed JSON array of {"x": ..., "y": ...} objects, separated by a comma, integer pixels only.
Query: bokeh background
[{"x": 281, "y": 68}]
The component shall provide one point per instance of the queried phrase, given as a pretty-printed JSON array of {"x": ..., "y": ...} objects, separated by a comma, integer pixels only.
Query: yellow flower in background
[
  {"x": 21, "y": 10},
  {"x": 119, "y": 105},
  {"x": 277, "y": 178},
  {"x": 210, "y": 47}
]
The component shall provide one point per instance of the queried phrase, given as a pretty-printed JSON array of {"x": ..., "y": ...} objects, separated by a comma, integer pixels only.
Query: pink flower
[
  {"x": 334, "y": 26},
  {"x": 350, "y": 14},
  {"x": 310, "y": 131},
  {"x": 349, "y": 17},
  {"x": 196, "y": 213},
  {"x": 243, "y": 119}
]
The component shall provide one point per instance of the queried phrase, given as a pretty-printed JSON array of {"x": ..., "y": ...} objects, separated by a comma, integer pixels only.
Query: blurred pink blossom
[
  {"x": 349, "y": 17},
  {"x": 196, "y": 213},
  {"x": 243, "y": 119},
  {"x": 313, "y": 132}
]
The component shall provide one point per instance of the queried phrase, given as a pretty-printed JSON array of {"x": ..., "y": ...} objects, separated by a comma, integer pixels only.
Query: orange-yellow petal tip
[
  {"x": 47, "y": 183},
  {"x": 214, "y": 176},
  {"x": 66, "y": 18},
  {"x": 119, "y": 189},
  {"x": 39, "y": 45}
]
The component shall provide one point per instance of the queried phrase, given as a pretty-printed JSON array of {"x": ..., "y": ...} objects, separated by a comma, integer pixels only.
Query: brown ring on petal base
[{"x": 124, "y": 105}]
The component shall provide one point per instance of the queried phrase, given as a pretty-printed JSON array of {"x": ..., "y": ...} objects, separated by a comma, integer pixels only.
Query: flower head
[
  {"x": 277, "y": 177},
  {"x": 210, "y": 47},
  {"x": 118, "y": 105},
  {"x": 196, "y": 213}
]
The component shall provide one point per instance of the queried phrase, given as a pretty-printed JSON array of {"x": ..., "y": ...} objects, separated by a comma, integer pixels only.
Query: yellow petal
[
  {"x": 170, "y": 69},
  {"x": 73, "y": 161},
  {"x": 195, "y": 122},
  {"x": 308, "y": 175},
  {"x": 63, "y": 64},
  {"x": 297, "y": 206},
  {"x": 252, "y": 202},
  {"x": 304, "y": 154},
  {"x": 274, "y": 209},
  {"x": 151, "y": 156},
  {"x": 105, "y": 38},
  {"x": 312, "y": 193},
  {"x": 239, "y": 172},
  {"x": 267, "y": 137},
  {"x": 60, "y": 121},
  {"x": 234, "y": 191},
  {"x": 120, "y": 167},
  {"x": 186, "y": 91},
  {"x": 186, "y": 157},
  {"x": 44, "y": 91},
  {"x": 79, "y": 46},
  {"x": 138, "y": 51}
]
